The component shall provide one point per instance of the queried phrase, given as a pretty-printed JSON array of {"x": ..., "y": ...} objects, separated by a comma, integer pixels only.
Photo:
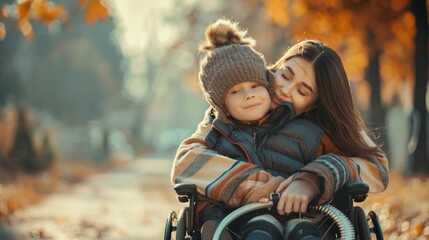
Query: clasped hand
[{"x": 295, "y": 195}]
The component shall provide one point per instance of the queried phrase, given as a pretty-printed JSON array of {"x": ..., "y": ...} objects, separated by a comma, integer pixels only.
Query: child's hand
[{"x": 264, "y": 200}]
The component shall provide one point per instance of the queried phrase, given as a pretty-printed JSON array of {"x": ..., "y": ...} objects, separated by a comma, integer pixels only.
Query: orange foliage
[
  {"x": 274, "y": 9},
  {"x": 3, "y": 13},
  {"x": 344, "y": 26},
  {"x": 23, "y": 17},
  {"x": 299, "y": 8},
  {"x": 24, "y": 191},
  {"x": 96, "y": 10},
  {"x": 2, "y": 31},
  {"x": 47, "y": 12},
  {"x": 23, "y": 12},
  {"x": 39, "y": 10}
]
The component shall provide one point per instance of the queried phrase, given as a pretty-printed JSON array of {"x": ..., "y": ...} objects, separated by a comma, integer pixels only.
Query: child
[{"x": 231, "y": 64}]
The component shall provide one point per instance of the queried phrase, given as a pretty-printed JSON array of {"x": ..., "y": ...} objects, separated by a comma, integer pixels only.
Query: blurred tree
[
  {"x": 67, "y": 68},
  {"x": 166, "y": 56},
  {"x": 420, "y": 158},
  {"x": 10, "y": 81},
  {"x": 24, "y": 155}
]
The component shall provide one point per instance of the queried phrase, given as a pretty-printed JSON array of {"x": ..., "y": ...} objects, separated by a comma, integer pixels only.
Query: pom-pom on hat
[{"x": 230, "y": 59}]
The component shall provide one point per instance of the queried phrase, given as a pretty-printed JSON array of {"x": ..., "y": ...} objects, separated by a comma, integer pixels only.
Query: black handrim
[
  {"x": 169, "y": 225},
  {"x": 378, "y": 231},
  {"x": 181, "y": 224},
  {"x": 362, "y": 224}
]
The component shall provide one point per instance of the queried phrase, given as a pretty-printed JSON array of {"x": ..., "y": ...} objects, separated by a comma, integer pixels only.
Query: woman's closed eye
[{"x": 305, "y": 90}]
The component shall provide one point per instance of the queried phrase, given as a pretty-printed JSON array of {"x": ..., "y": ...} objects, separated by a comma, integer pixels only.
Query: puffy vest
[{"x": 282, "y": 143}]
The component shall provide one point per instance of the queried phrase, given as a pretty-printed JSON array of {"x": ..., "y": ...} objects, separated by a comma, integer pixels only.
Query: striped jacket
[{"x": 237, "y": 183}]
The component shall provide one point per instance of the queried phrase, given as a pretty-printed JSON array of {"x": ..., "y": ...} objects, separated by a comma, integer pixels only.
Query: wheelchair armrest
[
  {"x": 358, "y": 191},
  {"x": 185, "y": 191}
]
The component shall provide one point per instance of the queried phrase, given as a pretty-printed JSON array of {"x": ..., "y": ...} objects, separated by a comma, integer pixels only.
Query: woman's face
[{"x": 296, "y": 83}]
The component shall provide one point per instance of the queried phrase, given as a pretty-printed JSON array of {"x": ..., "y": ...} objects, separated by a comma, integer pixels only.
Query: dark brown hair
[{"x": 335, "y": 109}]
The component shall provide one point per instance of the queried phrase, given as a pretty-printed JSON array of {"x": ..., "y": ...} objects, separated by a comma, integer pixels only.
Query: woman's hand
[{"x": 296, "y": 193}]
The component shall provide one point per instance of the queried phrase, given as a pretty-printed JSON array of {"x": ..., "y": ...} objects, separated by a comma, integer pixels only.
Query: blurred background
[{"x": 87, "y": 84}]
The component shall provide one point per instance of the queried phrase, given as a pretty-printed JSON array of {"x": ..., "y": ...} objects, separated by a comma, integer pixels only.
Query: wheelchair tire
[
  {"x": 170, "y": 225},
  {"x": 376, "y": 225},
  {"x": 181, "y": 224},
  {"x": 361, "y": 223}
]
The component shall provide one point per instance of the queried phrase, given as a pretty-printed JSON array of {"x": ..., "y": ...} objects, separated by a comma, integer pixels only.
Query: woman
[{"x": 310, "y": 76}]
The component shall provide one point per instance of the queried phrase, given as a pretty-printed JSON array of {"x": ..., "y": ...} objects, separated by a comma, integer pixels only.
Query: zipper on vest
[
  {"x": 249, "y": 159},
  {"x": 254, "y": 130}
]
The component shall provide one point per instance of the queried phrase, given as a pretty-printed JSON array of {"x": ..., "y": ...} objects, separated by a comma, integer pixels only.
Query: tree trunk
[
  {"x": 420, "y": 161},
  {"x": 376, "y": 113}
]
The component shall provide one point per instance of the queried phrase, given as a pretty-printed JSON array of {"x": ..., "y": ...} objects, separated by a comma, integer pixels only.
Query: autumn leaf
[
  {"x": 47, "y": 13},
  {"x": 96, "y": 11},
  {"x": 2, "y": 31},
  {"x": 27, "y": 31},
  {"x": 23, "y": 12},
  {"x": 23, "y": 16},
  {"x": 4, "y": 12}
]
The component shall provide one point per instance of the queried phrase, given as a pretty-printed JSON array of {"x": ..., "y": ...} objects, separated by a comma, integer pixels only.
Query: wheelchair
[{"x": 341, "y": 219}]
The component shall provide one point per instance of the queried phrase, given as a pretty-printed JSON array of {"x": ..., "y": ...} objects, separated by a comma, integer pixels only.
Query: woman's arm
[
  {"x": 237, "y": 183},
  {"x": 336, "y": 170},
  {"x": 327, "y": 174},
  {"x": 373, "y": 169},
  {"x": 218, "y": 177}
]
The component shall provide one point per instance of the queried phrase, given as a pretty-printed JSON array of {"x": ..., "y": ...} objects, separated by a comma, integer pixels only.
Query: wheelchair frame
[{"x": 365, "y": 226}]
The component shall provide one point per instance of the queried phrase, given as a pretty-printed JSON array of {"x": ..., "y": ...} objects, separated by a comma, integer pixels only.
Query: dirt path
[{"x": 129, "y": 203}]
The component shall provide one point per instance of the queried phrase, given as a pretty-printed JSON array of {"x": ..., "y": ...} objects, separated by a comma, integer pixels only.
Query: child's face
[
  {"x": 296, "y": 83},
  {"x": 247, "y": 101}
]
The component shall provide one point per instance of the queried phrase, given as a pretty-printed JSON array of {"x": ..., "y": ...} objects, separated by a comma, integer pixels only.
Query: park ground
[{"x": 132, "y": 202}]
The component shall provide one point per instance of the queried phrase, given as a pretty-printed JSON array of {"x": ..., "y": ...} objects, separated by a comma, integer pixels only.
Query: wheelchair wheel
[
  {"x": 361, "y": 222},
  {"x": 170, "y": 225},
  {"x": 376, "y": 225},
  {"x": 181, "y": 224},
  {"x": 343, "y": 227}
]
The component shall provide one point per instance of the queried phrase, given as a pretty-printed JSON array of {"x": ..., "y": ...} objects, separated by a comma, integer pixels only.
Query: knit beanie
[{"x": 230, "y": 59}]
